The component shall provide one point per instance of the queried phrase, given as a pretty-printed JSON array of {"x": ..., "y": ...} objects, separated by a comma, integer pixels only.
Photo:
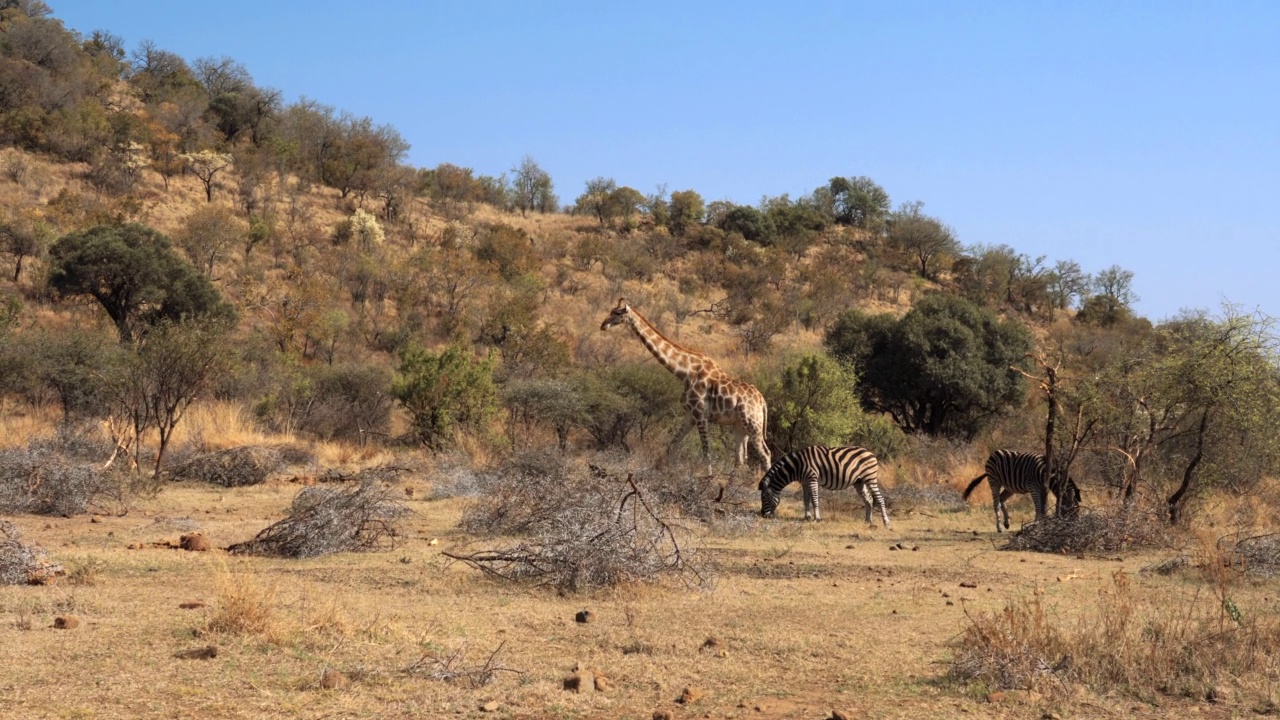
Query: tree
[
  {"x": 750, "y": 223},
  {"x": 686, "y": 210},
  {"x": 207, "y": 234},
  {"x": 445, "y": 393},
  {"x": 858, "y": 201},
  {"x": 1113, "y": 297},
  {"x": 944, "y": 368},
  {"x": 24, "y": 236},
  {"x": 532, "y": 188},
  {"x": 922, "y": 238},
  {"x": 1068, "y": 284},
  {"x": 813, "y": 404},
  {"x": 134, "y": 273},
  {"x": 205, "y": 165},
  {"x": 593, "y": 199},
  {"x": 168, "y": 370}
]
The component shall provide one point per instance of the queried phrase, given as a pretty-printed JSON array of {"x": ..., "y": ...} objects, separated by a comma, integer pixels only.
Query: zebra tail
[{"x": 973, "y": 485}]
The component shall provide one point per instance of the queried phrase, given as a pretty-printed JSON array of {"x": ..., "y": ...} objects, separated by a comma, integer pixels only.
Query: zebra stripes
[
  {"x": 1011, "y": 472},
  {"x": 832, "y": 468}
]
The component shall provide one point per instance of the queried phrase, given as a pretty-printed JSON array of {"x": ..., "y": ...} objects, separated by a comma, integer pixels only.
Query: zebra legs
[
  {"x": 810, "y": 486},
  {"x": 999, "y": 498},
  {"x": 872, "y": 495}
]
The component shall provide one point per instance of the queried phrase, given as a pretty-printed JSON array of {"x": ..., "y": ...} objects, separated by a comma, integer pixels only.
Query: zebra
[
  {"x": 1012, "y": 472},
  {"x": 832, "y": 468}
]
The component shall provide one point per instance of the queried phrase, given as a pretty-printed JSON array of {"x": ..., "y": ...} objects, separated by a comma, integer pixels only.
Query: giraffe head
[{"x": 619, "y": 315}]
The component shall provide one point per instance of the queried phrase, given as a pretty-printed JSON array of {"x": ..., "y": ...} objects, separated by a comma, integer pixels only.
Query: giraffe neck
[{"x": 682, "y": 363}]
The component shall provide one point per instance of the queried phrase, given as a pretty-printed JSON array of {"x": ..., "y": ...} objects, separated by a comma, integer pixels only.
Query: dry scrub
[
  {"x": 234, "y": 467},
  {"x": 581, "y": 530},
  {"x": 21, "y": 563},
  {"x": 40, "y": 480},
  {"x": 325, "y": 520},
  {"x": 1195, "y": 644},
  {"x": 1092, "y": 532}
]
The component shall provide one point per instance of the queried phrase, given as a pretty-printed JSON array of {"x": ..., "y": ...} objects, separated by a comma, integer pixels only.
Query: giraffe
[{"x": 710, "y": 394}]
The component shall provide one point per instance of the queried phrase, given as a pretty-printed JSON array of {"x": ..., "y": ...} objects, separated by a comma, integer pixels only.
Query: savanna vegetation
[{"x": 215, "y": 299}]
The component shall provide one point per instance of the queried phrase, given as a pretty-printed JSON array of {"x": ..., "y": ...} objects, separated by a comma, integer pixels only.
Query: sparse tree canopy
[
  {"x": 532, "y": 188},
  {"x": 925, "y": 240},
  {"x": 134, "y": 273}
]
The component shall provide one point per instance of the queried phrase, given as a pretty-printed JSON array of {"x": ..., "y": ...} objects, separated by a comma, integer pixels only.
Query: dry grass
[
  {"x": 804, "y": 617},
  {"x": 1194, "y": 643},
  {"x": 19, "y": 426},
  {"x": 246, "y": 605}
]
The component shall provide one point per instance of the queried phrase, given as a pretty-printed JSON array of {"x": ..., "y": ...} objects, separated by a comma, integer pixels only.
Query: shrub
[
  {"x": 445, "y": 393},
  {"x": 347, "y": 402}
]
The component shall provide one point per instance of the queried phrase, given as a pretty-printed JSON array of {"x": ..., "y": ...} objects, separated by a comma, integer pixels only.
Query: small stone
[
  {"x": 661, "y": 715},
  {"x": 950, "y": 603},
  {"x": 193, "y": 605},
  {"x": 915, "y": 548},
  {"x": 207, "y": 652},
  {"x": 333, "y": 680},
  {"x": 690, "y": 695},
  {"x": 601, "y": 682},
  {"x": 95, "y": 519},
  {"x": 848, "y": 547},
  {"x": 968, "y": 585},
  {"x": 585, "y": 616},
  {"x": 66, "y": 622},
  {"x": 195, "y": 542},
  {"x": 893, "y": 547},
  {"x": 491, "y": 706}
]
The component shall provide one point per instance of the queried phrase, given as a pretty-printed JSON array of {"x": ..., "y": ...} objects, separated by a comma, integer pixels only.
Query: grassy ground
[{"x": 803, "y": 618}]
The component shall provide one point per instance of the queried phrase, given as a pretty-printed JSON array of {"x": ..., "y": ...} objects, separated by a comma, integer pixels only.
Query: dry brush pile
[
  {"x": 1092, "y": 531},
  {"x": 21, "y": 564},
  {"x": 577, "y": 529},
  {"x": 41, "y": 479},
  {"x": 324, "y": 520}
]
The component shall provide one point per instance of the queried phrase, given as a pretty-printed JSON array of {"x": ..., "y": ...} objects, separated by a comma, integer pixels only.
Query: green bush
[{"x": 445, "y": 393}]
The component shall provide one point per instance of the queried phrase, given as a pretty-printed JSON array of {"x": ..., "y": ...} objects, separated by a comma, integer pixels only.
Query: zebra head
[
  {"x": 769, "y": 497},
  {"x": 619, "y": 315}
]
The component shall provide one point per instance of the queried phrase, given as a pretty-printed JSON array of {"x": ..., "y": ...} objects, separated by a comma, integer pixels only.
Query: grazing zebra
[
  {"x": 1012, "y": 472},
  {"x": 832, "y": 468}
]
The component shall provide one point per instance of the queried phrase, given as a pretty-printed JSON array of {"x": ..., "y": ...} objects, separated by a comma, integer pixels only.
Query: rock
[
  {"x": 585, "y": 616},
  {"x": 195, "y": 542},
  {"x": 333, "y": 680},
  {"x": 491, "y": 706},
  {"x": 207, "y": 652},
  {"x": 193, "y": 605},
  {"x": 601, "y": 682},
  {"x": 711, "y": 642},
  {"x": 408, "y": 491},
  {"x": 970, "y": 585},
  {"x": 690, "y": 695},
  {"x": 95, "y": 519},
  {"x": 66, "y": 622}
]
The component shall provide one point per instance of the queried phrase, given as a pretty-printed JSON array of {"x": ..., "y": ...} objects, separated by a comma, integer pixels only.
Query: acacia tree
[
  {"x": 134, "y": 273},
  {"x": 208, "y": 233},
  {"x": 686, "y": 210},
  {"x": 205, "y": 165},
  {"x": 922, "y": 238}
]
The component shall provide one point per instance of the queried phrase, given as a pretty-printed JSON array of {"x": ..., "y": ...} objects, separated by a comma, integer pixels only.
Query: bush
[
  {"x": 347, "y": 402},
  {"x": 39, "y": 480},
  {"x": 445, "y": 393},
  {"x": 233, "y": 467},
  {"x": 324, "y": 520}
]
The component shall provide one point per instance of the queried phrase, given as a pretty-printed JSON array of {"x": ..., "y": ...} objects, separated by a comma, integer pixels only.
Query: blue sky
[{"x": 1143, "y": 134}]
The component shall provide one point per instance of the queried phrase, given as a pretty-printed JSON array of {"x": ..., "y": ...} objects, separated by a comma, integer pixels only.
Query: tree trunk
[
  {"x": 17, "y": 268},
  {"x": 1175, "y": 500}
]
